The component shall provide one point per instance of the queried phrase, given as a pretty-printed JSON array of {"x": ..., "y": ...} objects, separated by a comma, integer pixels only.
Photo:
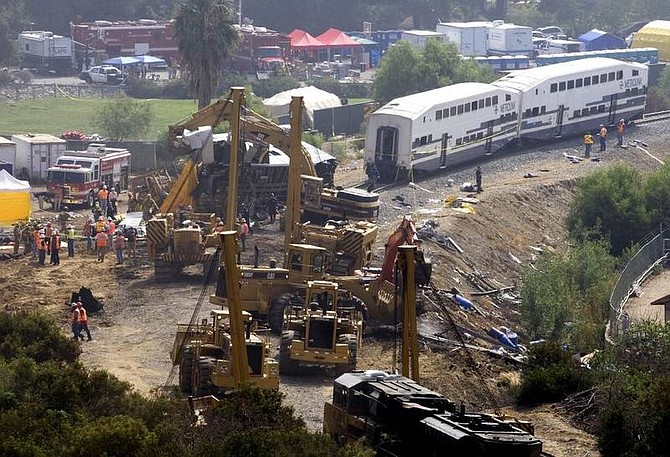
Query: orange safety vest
[
  {"x": 47, "y": 231},
  {"x": 55, "y": 243},
  {"x": 620, "y": 127},
  {"x": 103, "y": 194},
  {"x": 81, "y": 316},
  {"x": 603, "y": 132}
]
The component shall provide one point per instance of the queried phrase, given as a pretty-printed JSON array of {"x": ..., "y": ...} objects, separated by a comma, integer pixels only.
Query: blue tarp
[{"x": 597, "y": 40}]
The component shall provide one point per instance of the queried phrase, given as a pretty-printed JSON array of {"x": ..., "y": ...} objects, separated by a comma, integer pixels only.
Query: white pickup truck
[{"x": 105, "y": 74}]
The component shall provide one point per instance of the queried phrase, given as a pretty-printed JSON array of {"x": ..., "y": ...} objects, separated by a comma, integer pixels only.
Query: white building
[
  {"x": 509, "y": 39},
  {"x": 7, "y": 153},
  {"x": 469, "y": 37}
]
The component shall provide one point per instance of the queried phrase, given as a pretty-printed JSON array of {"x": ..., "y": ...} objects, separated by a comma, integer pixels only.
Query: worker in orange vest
[
  {"x": 602, "y": 133},
  {"x": 81, "y": 318},
  {"x": 101, "y": 239},
  {"x": 588, "y": 143},
  {"x": 54, "y": 245},
  {"x": 41, "y": 247},
  {"x": 620, "y": 127},
  {"x": 103, "y": 195}
]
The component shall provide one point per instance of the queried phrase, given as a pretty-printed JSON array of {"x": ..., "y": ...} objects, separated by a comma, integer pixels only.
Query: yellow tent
[
  {"x": 656, "y": 34},
  {"x": 14, "y": 199}
]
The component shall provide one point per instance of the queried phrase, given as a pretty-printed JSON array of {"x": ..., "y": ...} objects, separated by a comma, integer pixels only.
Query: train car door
[
  {"x": 611, "y": 119},
  {"x": 443, "y": 149},
  {"x": 386, "y": 152},
  {"x": 489, "y": 138},
  {"x": 558, "y": 130}
]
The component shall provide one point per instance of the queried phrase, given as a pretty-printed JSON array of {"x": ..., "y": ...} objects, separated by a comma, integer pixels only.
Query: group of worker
[
  {"x": 602, "y": 133},
  {"x": 80, "y": 322},
  {"x": 44, "y": 240}
]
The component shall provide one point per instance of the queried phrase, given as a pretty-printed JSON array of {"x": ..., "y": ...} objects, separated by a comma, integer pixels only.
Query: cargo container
[
  {"x": 35, "y": 153},
  {"x": 469, "y": 37},
  {"x": 509, "y": 39},
  {"x": 7, "y": 154}
]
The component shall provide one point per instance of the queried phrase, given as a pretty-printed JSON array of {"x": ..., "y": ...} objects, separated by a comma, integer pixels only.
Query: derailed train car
[
  {"x": 399, "y": 417},
  {"x": 464, "y": 122}
]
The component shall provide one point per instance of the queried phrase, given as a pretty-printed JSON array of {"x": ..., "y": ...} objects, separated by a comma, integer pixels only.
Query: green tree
[
  {"x": 610, "y": 202},
  {"x": 565, "y": 298},
  {"x": 397, "y": 74},
  {"x": 657, "y": 195},
  {"x": 124, "y": 118},
  {"x": 206, "y": 35}
]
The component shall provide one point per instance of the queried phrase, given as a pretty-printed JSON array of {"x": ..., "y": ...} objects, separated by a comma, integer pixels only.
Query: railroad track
[{"x": 653, "y": 117}]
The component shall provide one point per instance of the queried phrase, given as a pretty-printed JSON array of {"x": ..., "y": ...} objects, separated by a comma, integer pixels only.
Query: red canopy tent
[
  {"x": 305, "y": 45},
  {"x": 338, "y": 41}
]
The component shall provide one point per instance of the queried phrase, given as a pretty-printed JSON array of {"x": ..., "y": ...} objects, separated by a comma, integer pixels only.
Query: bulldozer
[
  {"x": 224, "y": 352},
  {"x": 320, "y": 332}
]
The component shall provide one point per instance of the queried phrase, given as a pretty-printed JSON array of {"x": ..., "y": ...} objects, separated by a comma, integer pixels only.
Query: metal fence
[{"x": 654, "y": 247}]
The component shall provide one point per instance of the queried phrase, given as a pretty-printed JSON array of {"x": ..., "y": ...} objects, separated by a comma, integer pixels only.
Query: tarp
[
  {"x": 335, "y": 38},
  {"x": 14, "y": 199},
  {"x": 656, "y": 34},
  {"x": 123, "y": 60},
  {"x": 597, "y": 40},
  {"x": 313, "y": 99},
  {"x": 304, "y": 41}
]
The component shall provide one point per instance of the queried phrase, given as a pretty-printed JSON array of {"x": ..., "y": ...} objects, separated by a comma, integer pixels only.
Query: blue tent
[
  {"x": 123, "y": 60},
  {"x": 597, "y": 40}
]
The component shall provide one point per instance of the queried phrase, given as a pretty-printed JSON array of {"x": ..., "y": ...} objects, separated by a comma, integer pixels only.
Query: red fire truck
[{"x": 78, "y": 175}]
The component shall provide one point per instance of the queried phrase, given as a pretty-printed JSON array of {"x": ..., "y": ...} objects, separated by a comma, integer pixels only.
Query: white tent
[
  {"x": 313, "y": 99},
  {"x": 14, "y": 199}
]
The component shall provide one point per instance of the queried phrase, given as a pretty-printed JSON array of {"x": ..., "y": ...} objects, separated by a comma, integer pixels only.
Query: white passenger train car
[
  {"x": 463, "y": 122},
  {"x": 571, "y": 97},
  {"x": 439, "y": 128}
]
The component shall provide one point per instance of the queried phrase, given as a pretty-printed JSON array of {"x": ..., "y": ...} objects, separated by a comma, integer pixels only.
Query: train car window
[
  {"x": 459, "y": 141},
  {"x": 576, "y": 113},
  {"x": 561, "y": 86},
  {"x": 474, "y": 106},
  {"x": 480, "y": 135},
  {"x": 526, "y": 113},
  {"x": 593, "y": 110},
  {"x": 571, "y": 84},
  {"x": 585, "y": 112},
  {"x": 460, "y": 109},
  {"x": 636, "y": 72},
  {"x": 601, "y": 108},
  {"x": 445, "y": 112},
  {"x": 635, "y": 91},
  {"x": 587, "y": 81},
  {"x": 467, "y": 107},
  {"x": 495, "y": 99},
  {"x": 603, "y": 78},
  {"x": 387, "y": 143},
  {"x": 619, "y": 74},
  {"x": 424, "y": 119},
  {"x": 430, "y": 138},
  {"x": 423, "y": 141},
  {"x": 452, "y": 111},
  {"x": 508, "y": 97},
  {"x": 488, "y": 101},
  {"x": 481, "y": 103},
  {"x": 610, "y": 76},
  {"x": 438, "y": 114},
  {"x": 594, "y": 80},
  {"x": 543, "y": 110},
  {"x": 416, "y": 143},
  {"x": 554, "y": 87},
  {"x": 578, "y": 82},
  {"x": 536, "y": 111}
]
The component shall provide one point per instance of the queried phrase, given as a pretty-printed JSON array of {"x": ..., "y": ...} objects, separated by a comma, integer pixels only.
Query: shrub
[
  {"x": 142, "y": 88},
  {"x": 551, "y": 376}
]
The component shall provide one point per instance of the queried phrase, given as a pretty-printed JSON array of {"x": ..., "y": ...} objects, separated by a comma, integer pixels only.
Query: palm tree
[{"x": 206, "y": 36}]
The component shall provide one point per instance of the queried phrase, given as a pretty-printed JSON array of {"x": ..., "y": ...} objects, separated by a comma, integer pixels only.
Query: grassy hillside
[{"x": 56, "y": 115}]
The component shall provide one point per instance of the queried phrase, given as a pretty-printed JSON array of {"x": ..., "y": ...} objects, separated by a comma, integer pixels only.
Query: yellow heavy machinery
[
  {"x": 328, "y": 254},
  {"x": 397, "y": 416},
  {"x": 224, "y": 353},
  {"x": 252, "y": 136},
  {"x": 321, "y": 333},
  {"x": 351, "y": 244}
]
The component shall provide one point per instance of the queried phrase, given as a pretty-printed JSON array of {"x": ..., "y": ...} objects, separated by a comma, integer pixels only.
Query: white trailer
[
  {"x": 418, "y": 38},
  {"x": 35, "y": 153},
  {"x": 509, "y": 39},
  {"x": 8, "y": 152},
  {"x": 46, "y": 53},
  {"x": 469, "y": 37}
]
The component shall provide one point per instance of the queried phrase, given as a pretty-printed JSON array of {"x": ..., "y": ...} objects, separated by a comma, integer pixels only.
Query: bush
[
  {"x": 142, "y": 88},
  {"x": 5, "y": 78},
  {"x": 266, "y": 88},
  {"x": 176, "y": 89},
  {"x": 551, "y": 376}
]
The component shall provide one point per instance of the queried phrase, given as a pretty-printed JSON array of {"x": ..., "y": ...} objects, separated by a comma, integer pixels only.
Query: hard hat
[
  {"x": 48, "y": 223},
  {"x": 621, "y": 120},
  {"x": 101, "y": 218},
  {"x": 42, "y": 232},
  {"x": 109, "y": 218},
  {"x": 55, "y": 232},
  {"x": 148, "y": 195},
  {"x": 104, "y": 186},
  {"x": 601, "y": 125},
  {"x": 73, "y": 304},
  {"x": 70, "y": 226}
]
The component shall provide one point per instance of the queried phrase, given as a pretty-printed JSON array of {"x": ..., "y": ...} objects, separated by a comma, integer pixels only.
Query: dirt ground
[{"x": 515, "y": 218}]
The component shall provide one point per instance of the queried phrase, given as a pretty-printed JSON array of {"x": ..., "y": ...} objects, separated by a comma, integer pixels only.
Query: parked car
[
  {"x": 105, "y": 74},
  {"x": 551, "y": 31}
]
